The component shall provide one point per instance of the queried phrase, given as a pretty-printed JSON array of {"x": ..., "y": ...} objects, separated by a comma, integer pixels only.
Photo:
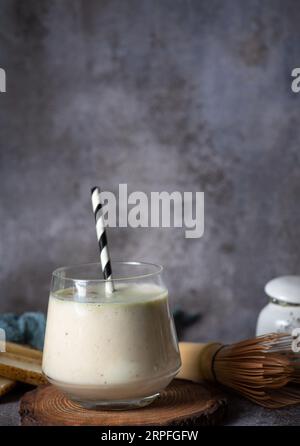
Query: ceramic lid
[{"x": 285, "y": 288}]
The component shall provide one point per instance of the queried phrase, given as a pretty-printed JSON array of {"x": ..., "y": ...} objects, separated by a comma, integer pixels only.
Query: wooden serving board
[{"x": 182, "y": 403}]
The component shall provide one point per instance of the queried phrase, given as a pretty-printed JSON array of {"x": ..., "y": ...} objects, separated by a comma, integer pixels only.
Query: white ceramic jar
[{"x": 282, "y": 313}]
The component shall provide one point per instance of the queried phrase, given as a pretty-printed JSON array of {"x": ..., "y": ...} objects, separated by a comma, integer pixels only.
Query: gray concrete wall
[{"x": 162, "y": 95}]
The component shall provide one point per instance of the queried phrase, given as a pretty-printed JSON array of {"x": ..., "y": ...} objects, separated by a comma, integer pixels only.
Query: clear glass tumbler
[{"x": 112, "y": 350}]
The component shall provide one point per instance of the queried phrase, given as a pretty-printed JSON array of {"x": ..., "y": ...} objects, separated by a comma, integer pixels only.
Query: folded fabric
[{"x": 29, "y": 328}]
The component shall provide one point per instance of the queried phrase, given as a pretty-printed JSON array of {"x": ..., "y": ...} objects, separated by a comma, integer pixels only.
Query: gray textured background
[{"x": 162, "y": 95}]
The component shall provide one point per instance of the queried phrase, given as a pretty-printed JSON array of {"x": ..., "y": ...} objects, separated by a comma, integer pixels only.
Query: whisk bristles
[{"x": 264, "y": 369}]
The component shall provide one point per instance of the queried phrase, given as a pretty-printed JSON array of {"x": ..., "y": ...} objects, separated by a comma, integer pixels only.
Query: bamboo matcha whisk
[{"x": 263, "y": 369}]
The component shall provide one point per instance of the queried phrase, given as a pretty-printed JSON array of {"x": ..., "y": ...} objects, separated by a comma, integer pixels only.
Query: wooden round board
[{"x": 183, "y": 402}]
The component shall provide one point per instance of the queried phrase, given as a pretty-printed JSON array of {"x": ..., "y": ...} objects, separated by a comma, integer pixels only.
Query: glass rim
[{"x": 57, "y": 273}]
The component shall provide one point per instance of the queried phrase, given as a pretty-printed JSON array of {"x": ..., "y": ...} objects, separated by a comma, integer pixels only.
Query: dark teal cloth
[{"x": 29, "y": 328}]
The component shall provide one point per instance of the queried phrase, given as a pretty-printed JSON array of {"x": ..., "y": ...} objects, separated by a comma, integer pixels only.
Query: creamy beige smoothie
[{"x": 116, "y": 347}]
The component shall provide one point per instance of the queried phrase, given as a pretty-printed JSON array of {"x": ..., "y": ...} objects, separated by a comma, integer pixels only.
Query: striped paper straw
[{"x": 102, "y": 239}]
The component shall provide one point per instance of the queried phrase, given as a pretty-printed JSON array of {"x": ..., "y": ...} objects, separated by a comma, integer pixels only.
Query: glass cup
[{"x": 113, "y": 350}]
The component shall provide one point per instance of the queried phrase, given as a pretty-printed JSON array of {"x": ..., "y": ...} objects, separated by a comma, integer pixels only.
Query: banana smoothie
[{"x": 110, "y": 348}]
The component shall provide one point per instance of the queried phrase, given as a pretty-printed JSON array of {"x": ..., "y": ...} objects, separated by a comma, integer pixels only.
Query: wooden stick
[
  {"x": 21, "y": 368},
  {"x": 19, "y": 363},
  {"x": 22, "y": 350}
]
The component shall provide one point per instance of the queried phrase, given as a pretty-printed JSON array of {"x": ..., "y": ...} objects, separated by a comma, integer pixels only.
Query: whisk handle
[{"x": 197, "y": 360}]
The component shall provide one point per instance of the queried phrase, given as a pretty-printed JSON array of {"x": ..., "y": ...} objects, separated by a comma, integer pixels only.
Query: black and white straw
[{"x": 102, "y": 239}]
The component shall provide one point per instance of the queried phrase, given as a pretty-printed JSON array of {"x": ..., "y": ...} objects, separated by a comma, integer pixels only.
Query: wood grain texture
[
  {"x": 21, "y": 368},
  {"x": 19, "y": 351},
  {"x": 182, "y": 403}
]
